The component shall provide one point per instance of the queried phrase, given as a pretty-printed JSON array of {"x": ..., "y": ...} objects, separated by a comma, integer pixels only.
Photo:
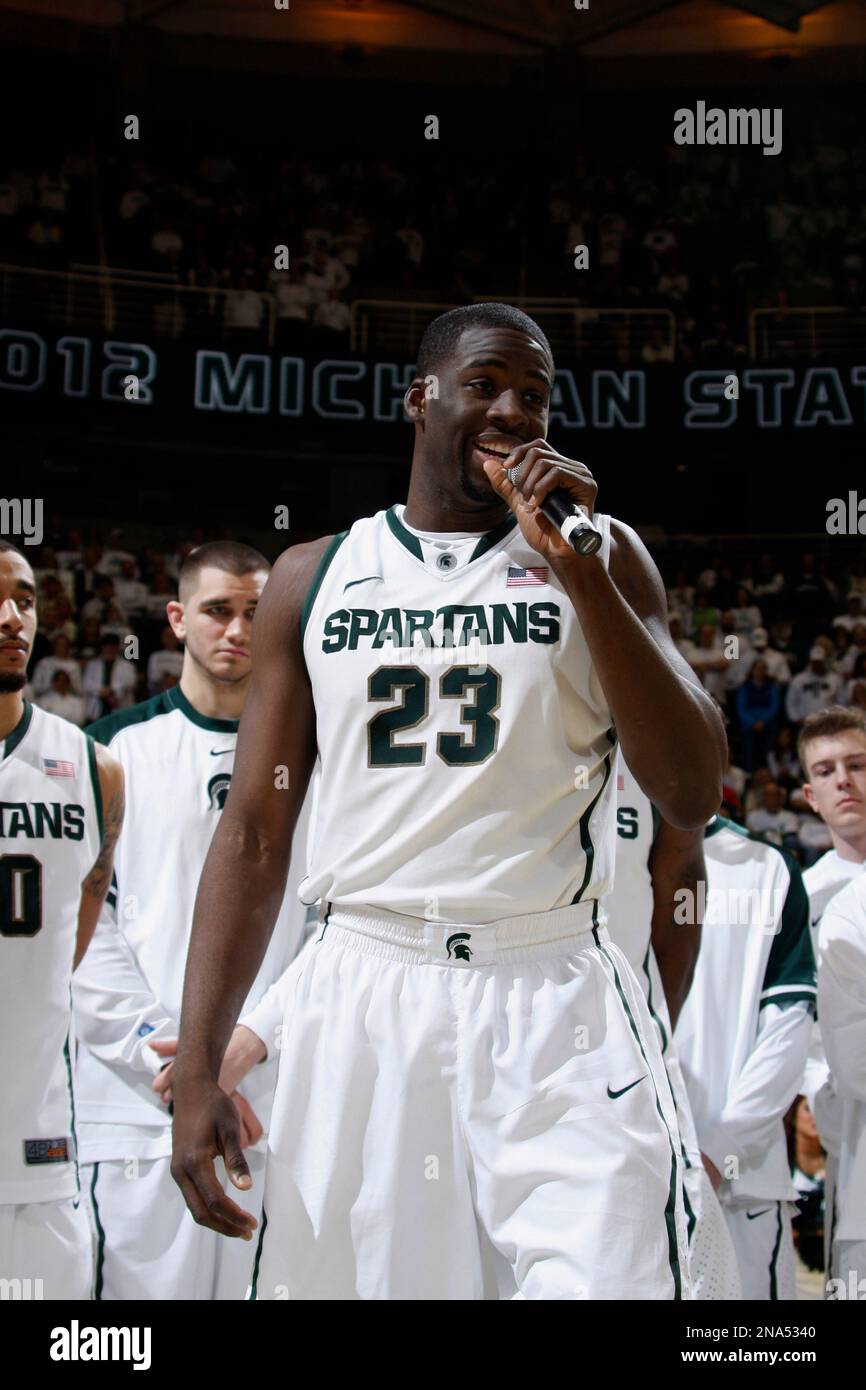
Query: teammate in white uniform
[
  {"x": 471, "y": 1098},
  {"x": 655, "y": 864},
  {"x": 832, "y": 751},
  {"x": 742, "y": 1038},
  {"x": 842, "y": 1006},
  {"x": 177, "y": 751},
  {"x": 61, "y": 807}
]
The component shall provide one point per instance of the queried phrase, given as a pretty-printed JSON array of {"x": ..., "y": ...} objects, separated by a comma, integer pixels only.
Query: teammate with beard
[{"x": 61, "y": 808}]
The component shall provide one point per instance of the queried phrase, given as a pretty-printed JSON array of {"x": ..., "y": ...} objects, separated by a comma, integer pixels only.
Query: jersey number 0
[{"x": 20, "y": 895}]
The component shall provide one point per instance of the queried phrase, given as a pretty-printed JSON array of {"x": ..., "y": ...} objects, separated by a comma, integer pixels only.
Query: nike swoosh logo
[
  {"x": 753, "y": 1215},
  {"x": 220, "y": 752},
  {"x": 360, "y": 581},
  {"x": 615, "y": 1095}
]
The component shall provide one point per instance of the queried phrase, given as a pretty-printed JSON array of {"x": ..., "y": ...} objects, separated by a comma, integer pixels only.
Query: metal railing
[
  {"x": 795, "y": 333},
  {"x": 128, "y": 303},
  {"x": 574, "y": 332}
]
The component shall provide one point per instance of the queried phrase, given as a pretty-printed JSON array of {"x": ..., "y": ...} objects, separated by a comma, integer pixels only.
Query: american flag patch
[
  {"x": 516, "y": 577},
  {"x": 56, "y": 767},
  {"x": 620, "y": 782}
]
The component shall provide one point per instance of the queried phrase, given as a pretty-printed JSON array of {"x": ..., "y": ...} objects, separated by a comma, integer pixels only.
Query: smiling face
[
  {"x": 836, "y": 789},
  {"x": 215, "y": 621},
  {"x": 494, "y": 394},
  {"x": 17, "y": 620}
]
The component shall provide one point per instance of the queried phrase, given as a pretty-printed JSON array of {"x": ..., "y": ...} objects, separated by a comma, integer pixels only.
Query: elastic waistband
[{"x": 392, "y": 936}]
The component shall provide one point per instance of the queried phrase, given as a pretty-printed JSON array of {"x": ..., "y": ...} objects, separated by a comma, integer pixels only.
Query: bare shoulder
[
  {"x": 290, "y": 579},
  {"x": 110, "y": 774}
]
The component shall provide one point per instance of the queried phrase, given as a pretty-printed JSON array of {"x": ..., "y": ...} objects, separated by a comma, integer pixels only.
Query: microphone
[{"x": 562, "y": 512}]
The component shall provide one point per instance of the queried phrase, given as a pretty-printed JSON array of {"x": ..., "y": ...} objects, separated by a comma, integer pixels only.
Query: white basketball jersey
[
  {"x": 466, "y": 744},
  {"x": 630, "y": 901},
  {"x": 50, "y": 834},
  {"x": 824, "y": 879},
  {"x": 755, "y": 951},
  {"x": 178, "y": 767}
]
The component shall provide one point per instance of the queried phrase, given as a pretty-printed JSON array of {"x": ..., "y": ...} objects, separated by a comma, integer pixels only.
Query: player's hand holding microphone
[{"x": 551, "y": 496}]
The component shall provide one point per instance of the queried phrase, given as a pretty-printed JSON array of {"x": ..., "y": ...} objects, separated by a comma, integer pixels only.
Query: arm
[
  {"x": 117, "y": 1015},
  {"x": 842, "y": 1000},
  {"x": 764, "y": 1089},
  {"x": 771, "y": 1074},
  {"x": 672, "y": 738},
  {"x": 676, "y": 862},
  {"x": 96, "y": 885},
  {"x": 241, "y": 889}
]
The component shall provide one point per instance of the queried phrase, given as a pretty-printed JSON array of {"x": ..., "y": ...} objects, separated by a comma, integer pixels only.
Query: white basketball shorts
[
  {"x": 45, "y": 1250},
  {"x": 469, "y": 1112}
]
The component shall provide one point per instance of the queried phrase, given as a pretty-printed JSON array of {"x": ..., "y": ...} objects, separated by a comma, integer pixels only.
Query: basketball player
[
  {"x": 471, "y": 1099},
  {"x": 832, "y": 752},
  {"x": 177, "y": 750},
  {"x": 842, "y": 1005},
  {"x": 656, "y": 864},
  {"x": 61, "y": 808},
  {"x": 742, "y": 1039}
]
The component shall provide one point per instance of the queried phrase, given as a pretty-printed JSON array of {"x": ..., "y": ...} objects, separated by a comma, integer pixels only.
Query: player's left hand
[
  {"x": 164, "y": 1047},
  {"x": 542, "y": 468}
]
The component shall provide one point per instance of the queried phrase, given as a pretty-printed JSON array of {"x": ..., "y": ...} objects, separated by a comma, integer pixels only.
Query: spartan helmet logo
[
  {"x": 218, "y": 790},
  {"x": 461, "y": 951}
]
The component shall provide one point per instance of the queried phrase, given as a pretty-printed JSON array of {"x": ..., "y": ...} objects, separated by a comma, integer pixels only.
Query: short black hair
[
  {"x": 7, "y": 545},
  {"x": 232, "y": 556},
  {"x": 441, "y": 337}
]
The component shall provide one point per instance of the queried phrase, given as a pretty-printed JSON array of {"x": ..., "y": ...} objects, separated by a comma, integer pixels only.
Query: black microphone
[{"x": 563, "y": 512}]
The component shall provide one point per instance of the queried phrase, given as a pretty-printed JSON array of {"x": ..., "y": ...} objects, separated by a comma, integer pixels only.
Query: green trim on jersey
[
  {"x": 316, "y": 581},
  {"x": 255, "y": 1279},
  {"x": 177, "y": 700},
  {"x": 95, "y": 783},
  {"x": 657, "y": 820},
  {"x": 722, "y": 823},
  {"x": 585, "y": 837},
  {"x": 670, "y": 1205},
  {"x": 107, "y": 728},
  {"x": 413, "y": 544},
  {"x": 12, "y": 740},
  {"x": 790, "y": 975},
  {"x": 791, "y": 972},
  {"x": 774, "y": 1259},
  {"x": 100, "y": 1238},
  {"x": 649, "y": 999},
  {"x": 405, "y": 537},
  {"x": 494, "y": 536},
  {"x": 69, "y": 1087}
]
